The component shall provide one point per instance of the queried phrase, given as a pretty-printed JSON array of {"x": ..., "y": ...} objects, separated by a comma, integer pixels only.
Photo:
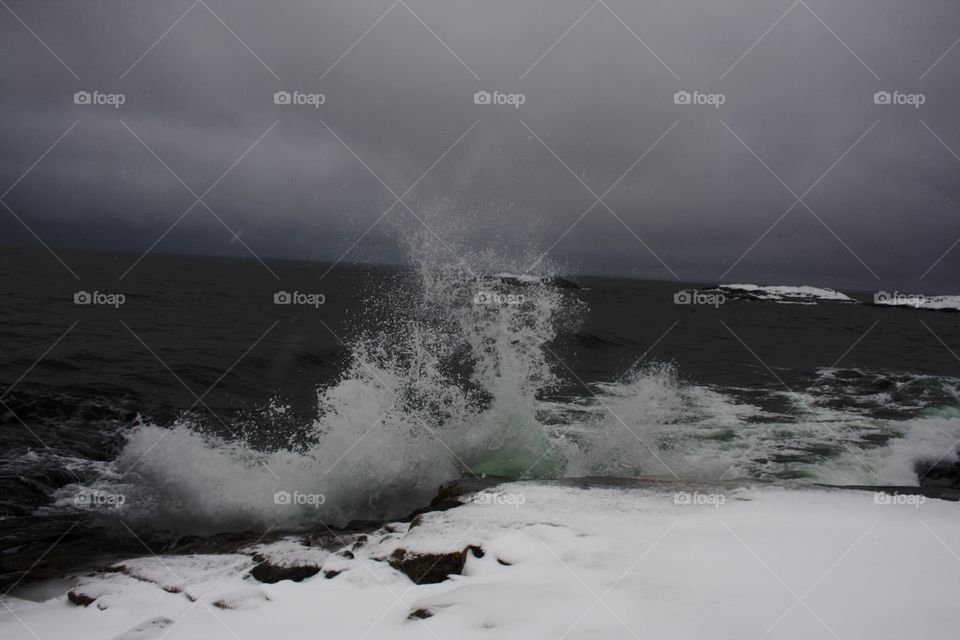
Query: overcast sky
[{"x": 690, "y": 191}]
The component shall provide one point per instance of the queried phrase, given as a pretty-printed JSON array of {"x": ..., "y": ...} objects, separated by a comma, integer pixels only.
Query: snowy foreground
[{"x": 560, "y": 561}]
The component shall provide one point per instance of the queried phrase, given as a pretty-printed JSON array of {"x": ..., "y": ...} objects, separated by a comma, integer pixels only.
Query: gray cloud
[{"x": 799, "y": 100}]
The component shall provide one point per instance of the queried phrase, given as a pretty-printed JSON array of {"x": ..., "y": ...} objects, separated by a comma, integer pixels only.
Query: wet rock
[
  {"x": 270, "y": 573},
  {"x": 431, "y": 568},
  {"x": 420, "y": 614},
  {"x": 80, "y": 599}
]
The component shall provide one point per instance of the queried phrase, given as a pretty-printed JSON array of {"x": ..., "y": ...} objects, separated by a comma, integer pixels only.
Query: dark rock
[
  {"x": 420, "y": 614},
  {"x": 329, "y": 575},
  {"x": 270, "y": 573},
  {"x": 80, "y": 599},
  {"x": 431, "y": 568}
]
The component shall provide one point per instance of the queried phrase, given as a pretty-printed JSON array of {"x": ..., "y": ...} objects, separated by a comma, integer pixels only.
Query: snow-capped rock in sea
[{"x": 784, "y": 294}]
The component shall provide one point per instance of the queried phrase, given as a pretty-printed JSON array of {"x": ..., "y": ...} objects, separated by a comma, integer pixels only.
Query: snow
[
  {"x": 569, "y": 561},
  {"x": 789, "y": 294}
]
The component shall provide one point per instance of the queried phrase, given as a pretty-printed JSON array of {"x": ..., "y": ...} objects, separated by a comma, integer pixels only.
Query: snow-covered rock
[{"x": 785, "y": 294}]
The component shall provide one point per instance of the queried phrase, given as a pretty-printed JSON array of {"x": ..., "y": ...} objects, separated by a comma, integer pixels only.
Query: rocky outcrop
[
  {"x": 431, "y": 568},
  {"x": 270, "y": 573}
]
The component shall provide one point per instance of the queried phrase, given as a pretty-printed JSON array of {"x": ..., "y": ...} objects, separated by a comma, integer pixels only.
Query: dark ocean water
[{"x": 778, "y": 391}]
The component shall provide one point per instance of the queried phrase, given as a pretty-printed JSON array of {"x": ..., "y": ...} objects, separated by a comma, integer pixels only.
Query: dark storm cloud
[{"x": 799, "y": 107}]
